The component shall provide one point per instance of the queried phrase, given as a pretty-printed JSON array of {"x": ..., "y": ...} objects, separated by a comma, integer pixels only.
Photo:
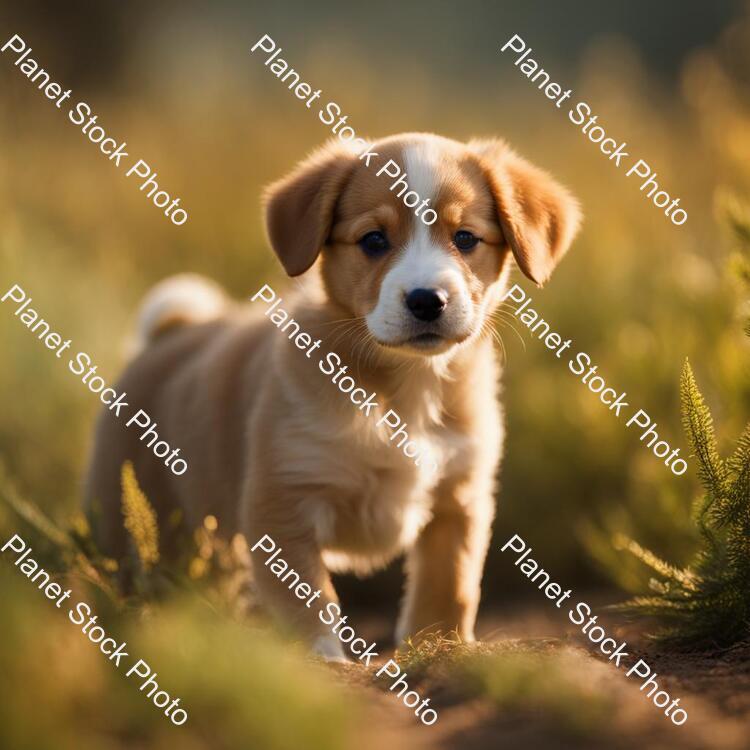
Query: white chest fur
[{"x": 365, "y": 497}]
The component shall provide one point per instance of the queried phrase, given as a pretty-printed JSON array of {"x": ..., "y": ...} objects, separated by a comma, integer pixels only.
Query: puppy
[{"x": 274, "y": 448}]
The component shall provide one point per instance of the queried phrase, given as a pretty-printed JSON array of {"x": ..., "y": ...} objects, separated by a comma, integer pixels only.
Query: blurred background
[{"x": 177, "y": 82}]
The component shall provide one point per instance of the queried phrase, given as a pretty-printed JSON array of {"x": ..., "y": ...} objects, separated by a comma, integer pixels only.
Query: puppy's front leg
[
  {"x": 299, "y": 561},
  {"x": 444, "y": 569}
]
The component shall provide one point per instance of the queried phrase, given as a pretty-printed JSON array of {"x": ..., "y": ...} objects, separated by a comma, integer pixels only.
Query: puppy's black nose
[{"x": 426, "y": 304}]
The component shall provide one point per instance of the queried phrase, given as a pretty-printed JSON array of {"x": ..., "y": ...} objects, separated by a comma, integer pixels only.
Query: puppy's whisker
[
  {"x": 340, "y": 320},
  {"x": 371, "y": 349},
  {"x": 505, "y": 324},
  {"x": 507, "y": 308},
  {"x": 359, "y": 348},
  {"x": 344, "y": 323},
  {"x": 508, "y": 322},
  {"x": 340, "y": 327},
  {"x": 371, "y": 356},
  {"x": 488, "y": 329},
  {"x": 344, "y": 329},
  {"x": 363, "y": 350},
  {"x": 497, "y": 336},
  {"x": 504, "y": 314}
]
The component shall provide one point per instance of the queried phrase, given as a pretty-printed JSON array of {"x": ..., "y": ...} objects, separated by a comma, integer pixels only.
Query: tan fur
[{"x": 274, "y": 448}]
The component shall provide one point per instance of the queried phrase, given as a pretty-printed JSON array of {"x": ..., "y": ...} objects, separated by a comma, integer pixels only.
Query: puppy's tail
[{"x": 179, "y": 300}]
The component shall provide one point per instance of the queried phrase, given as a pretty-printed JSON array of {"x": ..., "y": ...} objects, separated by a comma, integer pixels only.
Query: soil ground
[{"x": 714, "y": 688}]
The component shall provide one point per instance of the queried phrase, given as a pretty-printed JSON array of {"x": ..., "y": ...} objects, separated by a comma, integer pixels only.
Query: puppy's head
[{"x": 420, "y": 288}]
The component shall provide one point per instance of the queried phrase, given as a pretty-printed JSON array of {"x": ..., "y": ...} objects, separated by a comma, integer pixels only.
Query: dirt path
[{"x": 588, "y": 703}]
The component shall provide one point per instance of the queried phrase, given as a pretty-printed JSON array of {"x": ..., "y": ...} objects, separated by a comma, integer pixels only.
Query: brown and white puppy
[{"x": 274, "y": 448}]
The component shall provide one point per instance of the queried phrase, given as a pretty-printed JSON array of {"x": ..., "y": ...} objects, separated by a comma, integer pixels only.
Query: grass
[
  {"x": 239, "y": 682},
  {"x": 546, "y": 679}
]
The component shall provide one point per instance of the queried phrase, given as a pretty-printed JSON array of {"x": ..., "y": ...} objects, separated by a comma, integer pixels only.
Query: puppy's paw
[{"x": 329, "y": 648}]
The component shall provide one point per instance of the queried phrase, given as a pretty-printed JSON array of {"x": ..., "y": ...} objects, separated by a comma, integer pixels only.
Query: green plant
[
  {"x": 140, "y": 518},
  {"x": 707, "y": 602}
]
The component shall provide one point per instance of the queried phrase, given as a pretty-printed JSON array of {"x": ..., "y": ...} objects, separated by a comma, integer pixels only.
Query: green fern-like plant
[{"x": 706, "y": 603}]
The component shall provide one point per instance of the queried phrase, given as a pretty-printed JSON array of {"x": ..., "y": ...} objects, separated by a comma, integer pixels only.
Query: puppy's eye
[
  {"x": 465, "y": 241},
  {"x": 374, "y": 243}
]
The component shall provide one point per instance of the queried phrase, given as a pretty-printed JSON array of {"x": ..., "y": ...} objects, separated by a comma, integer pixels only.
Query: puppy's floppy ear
[
  {"x": 299, "y": 207},
  {"x": 539, "y": 217}
]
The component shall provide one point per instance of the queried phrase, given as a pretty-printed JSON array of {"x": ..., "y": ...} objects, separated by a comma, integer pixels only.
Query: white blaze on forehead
[
  {"x": 423, "y": 263},
  {"x": 422, "y": 164}
]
